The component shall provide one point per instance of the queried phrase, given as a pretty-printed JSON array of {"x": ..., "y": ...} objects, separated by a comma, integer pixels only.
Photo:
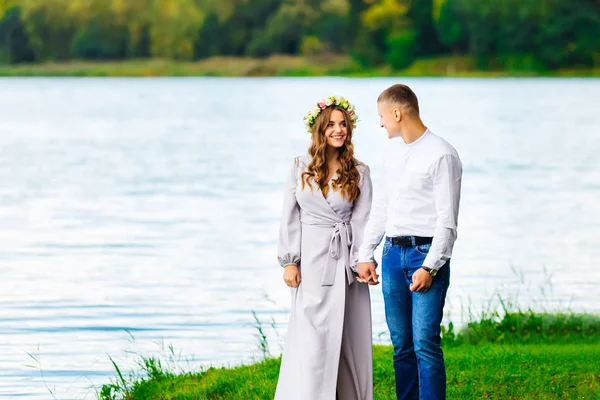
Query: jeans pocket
[
  {"x": 423, "y": 249},
  {"x": 386, "y": 248}
]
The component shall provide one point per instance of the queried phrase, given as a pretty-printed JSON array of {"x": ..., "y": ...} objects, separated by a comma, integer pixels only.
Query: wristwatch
[{"x": 431, "y": 271}]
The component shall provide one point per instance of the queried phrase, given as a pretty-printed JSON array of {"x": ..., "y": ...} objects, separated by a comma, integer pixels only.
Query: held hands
[
  {"x": 367, "y": 274},
  {"x": 291, "y": 276},
  {"x": 421, "y": 281}
]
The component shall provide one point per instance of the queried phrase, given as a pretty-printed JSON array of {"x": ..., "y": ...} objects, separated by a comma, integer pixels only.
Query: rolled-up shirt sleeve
[
  {"x": 290, "y": 228},
  {"x": 447, "y": 176}
]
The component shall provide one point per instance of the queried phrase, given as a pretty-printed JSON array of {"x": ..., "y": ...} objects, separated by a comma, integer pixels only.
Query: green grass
[
  {"x": 492, "y": 371},
  {"x": 489, "y": 371},
  {"x": 521, "y": 355},
  {"x": 517, "y": 327},
  {"x": 276, "y": 65}
]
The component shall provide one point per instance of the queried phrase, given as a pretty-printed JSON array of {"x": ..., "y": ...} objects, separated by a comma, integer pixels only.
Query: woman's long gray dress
[{"x": 328, "y": 345}]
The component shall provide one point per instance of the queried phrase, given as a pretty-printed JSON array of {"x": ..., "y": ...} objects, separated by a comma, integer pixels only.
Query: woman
[{"x": 327, "y": 353}]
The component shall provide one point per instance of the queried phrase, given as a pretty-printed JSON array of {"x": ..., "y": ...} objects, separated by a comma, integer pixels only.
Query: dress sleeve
[
  {"x": 360, "y": 214},
  {"x": 290, "y": 228}
]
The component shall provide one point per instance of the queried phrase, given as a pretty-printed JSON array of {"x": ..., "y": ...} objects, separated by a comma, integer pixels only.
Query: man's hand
[
  {"x": 291, "y": 275},
  {"x": 367, "y": 274},
  {"x": 421, "y": 281}
]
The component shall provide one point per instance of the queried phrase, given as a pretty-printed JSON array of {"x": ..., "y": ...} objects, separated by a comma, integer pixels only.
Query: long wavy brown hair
[{"x": 347, "y": 175}]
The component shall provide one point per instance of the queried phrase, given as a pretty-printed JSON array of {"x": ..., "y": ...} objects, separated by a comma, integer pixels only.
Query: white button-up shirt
[{"x": 418, "y": 195}]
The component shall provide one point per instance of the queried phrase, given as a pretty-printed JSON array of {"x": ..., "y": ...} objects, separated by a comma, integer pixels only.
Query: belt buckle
[{"x": 402, "y": 241}]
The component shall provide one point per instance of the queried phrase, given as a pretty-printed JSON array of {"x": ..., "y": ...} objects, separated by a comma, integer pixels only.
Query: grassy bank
[
  {"x": 518, "y": 356},
  {"x": 272, "y": 66}
]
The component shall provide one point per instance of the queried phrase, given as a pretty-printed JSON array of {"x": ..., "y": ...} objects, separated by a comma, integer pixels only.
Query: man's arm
[
  {"x": 447, "y": 177},
  {"x": 375, "y": 227}
]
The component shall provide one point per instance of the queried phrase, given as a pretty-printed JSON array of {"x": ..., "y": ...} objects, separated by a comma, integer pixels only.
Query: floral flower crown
[{"x": 341, "y": 102}]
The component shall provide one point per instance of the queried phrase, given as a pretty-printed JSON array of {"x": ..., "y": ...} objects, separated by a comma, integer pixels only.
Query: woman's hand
[
  {"x": 367, "y": 274},
  {"x": 291, "y": 275}
]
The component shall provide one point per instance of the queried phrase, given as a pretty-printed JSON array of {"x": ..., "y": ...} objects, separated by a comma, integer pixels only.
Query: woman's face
[{"x": 336, "y": 130}]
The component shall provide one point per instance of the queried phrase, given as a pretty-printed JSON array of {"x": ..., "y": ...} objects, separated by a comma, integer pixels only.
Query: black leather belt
[{"x": 409, "y": 241}]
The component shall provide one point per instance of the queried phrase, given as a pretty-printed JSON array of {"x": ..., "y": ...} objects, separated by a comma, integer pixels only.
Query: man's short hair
[{"x": 401, "y": 95}]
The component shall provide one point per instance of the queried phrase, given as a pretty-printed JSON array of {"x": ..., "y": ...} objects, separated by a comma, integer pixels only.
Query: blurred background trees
[{"x": 501, "y": 34}]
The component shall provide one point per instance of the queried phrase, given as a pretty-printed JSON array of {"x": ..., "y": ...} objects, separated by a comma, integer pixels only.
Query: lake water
[{"x": 141, "y": 213}]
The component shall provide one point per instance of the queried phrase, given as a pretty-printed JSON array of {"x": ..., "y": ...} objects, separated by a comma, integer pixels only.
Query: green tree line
[{"x": 497, "y": 34}]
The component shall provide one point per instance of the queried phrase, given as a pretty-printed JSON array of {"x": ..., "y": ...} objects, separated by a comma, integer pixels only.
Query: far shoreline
[{"x": 277, "y": 66}]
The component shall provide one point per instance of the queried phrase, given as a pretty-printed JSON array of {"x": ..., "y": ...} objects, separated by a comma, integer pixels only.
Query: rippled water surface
[{"x": 141, "y": 213}]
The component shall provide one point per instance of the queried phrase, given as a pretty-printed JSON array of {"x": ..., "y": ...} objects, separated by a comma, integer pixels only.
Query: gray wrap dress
[{"x": 328, "y": 345}]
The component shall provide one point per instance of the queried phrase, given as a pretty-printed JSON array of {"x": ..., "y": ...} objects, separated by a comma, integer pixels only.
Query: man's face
[{"x": 387, "y": 118}]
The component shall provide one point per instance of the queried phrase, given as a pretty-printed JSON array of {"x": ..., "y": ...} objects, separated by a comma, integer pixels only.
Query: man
[{"x": 416, "y": 208}]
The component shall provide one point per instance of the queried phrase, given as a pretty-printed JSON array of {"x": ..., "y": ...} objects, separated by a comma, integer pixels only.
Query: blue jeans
[{"x": 414, "y": 322}]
